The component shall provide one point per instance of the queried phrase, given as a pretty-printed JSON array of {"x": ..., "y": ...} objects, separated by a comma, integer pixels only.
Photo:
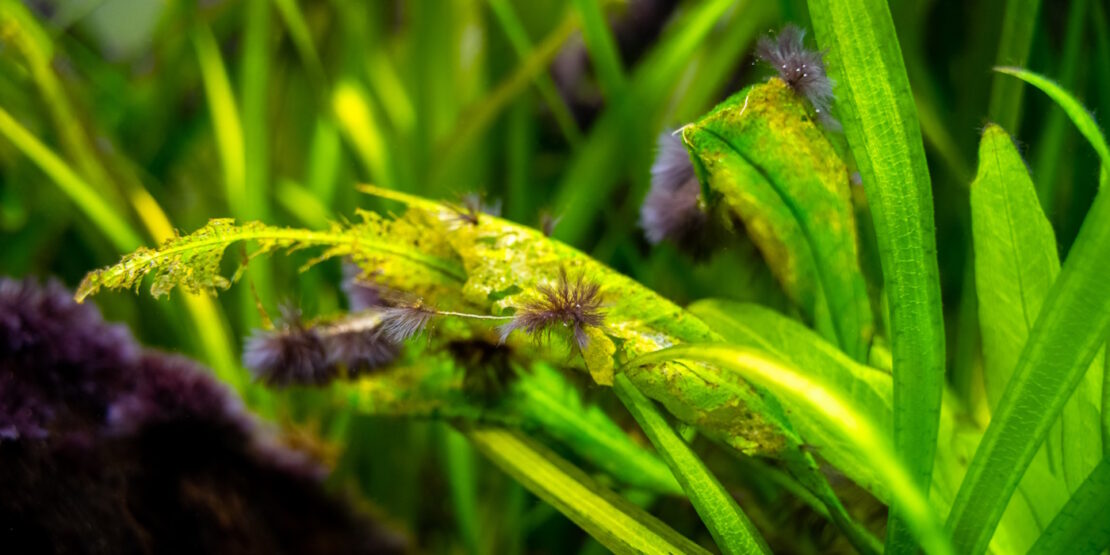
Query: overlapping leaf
[{"x": 774, "y": 170}]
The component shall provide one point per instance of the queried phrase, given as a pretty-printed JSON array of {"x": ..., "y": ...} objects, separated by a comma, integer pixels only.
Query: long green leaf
[
  {"x": 544, "y": 398},
  {"x": 1018, "y": 24},
  {"x": 84, "y": 196},
  {"x": 788, "y": 382},
  {"x": 1015, "y": 256},
  {"x": 225, "y": 117},
  {"x": 867, "y": 389},
  {"x": 602, "y": 47},
  {"x": 727, "y": 523},
  {"x": 1075, "y": 111},
  {"x": 617, "y": 524},
  {"x": 1065, "y": 338},
  {"x": 1016, "y": 263},
  {"x": 462, "y": 481},
  {"x": 1081, "y": 527},
  {"x": 533, "y": 59},
  {"x": 880, "y": 121},
  {"x": 1053, "y": 147}
]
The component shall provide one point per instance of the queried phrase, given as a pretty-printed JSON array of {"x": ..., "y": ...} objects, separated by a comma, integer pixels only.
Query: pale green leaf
[{"x": 1066, "y": 336}]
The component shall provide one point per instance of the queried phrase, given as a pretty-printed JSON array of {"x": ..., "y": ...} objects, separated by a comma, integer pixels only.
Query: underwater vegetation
[{"x": 486, "y": 276}]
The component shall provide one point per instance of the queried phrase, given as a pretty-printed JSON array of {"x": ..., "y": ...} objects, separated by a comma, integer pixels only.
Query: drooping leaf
[
  {"x": 774, "y": 170},
  {"x": 505, "y": 262},
  {"x": 1079, "y": 115}
]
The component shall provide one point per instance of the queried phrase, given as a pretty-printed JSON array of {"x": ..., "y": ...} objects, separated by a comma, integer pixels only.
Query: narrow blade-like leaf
[
  {"x": 1081, "y": 527},
  {"x": 1065, "y": 338},
  {"x": 727, "y": 523},
  {"x": 614, "y": 522},
  {"x": 880, "y": 120}
]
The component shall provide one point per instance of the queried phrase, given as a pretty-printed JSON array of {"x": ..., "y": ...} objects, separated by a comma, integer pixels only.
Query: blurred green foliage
[{"x": 125, "y": 119}]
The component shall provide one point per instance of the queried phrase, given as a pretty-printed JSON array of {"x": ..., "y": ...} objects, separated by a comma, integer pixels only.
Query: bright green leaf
[
  {"x": 876, "y": 105},
  {"x": 1063, "y": 343},
  {"x": 728, "y": 524},
  {"x": 617, "y": 524},
  {"x": 788, "y": 382}
]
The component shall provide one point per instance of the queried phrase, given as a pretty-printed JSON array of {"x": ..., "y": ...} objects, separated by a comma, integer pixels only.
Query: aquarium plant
[{"x": 798, "y": 310}]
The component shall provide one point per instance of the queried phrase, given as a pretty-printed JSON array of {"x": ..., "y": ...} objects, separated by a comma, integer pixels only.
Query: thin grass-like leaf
[
  {"x": 617, "y": 524},
  {"x": 84, "y": 196},
  {"x": 225, "y": 117},
  {"x": 880, "y": 121},
  {"x": 546, "y": 398},
  {"x": 462, "y": 481},
  {"x": 1018, "y": 23},
  {"x": 1054, "y": 148},
  {"x": 602, "y": 47},
  {"x": 1075, "y": 111},
  {"x": 728, "y": 524}
]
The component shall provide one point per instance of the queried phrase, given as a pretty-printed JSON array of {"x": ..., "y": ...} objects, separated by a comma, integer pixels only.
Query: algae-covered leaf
[
  {"x": 404, "y": 256},
  {"x": 772, "y": 168},
  {"x": 598, "y": 354},
  {"x": 506, "y": 262}
]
